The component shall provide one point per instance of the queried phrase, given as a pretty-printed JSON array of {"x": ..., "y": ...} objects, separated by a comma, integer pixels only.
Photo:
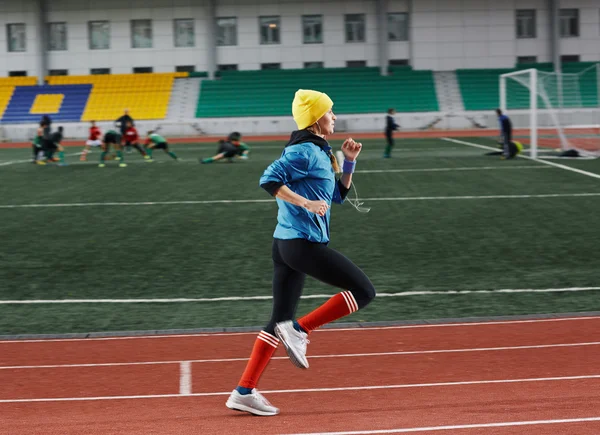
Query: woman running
[{"x": 303, "y": 182}]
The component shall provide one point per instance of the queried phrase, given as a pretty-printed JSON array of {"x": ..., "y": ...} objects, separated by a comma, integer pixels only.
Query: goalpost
[{"x": 558, "y": 110}]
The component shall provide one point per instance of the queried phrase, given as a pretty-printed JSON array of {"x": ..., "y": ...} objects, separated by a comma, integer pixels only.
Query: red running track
[{"x": 514, "y": 377}]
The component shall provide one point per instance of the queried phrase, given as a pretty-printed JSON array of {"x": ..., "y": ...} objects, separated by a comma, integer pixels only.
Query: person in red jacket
[
  {"x": 94, "y": 140},
  {"x": 131, "y": 138}
]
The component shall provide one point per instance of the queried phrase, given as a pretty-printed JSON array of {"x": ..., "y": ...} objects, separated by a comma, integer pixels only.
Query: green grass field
[{"x": 444, "y": 217}]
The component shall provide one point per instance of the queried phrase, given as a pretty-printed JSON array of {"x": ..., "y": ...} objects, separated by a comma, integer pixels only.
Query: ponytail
[{"x": 334, "y": 163}]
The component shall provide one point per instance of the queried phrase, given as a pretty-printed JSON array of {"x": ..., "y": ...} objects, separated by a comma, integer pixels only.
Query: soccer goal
[{"x": 557, "y": 111}]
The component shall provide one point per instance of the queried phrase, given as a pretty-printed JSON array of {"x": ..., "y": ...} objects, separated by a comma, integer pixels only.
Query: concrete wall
[{"x": 345, "y": 123}]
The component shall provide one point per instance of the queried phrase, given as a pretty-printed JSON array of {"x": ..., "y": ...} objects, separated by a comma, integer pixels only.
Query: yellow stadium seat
[
  {"x": 145, "y": 95},
  {"x": 7, "y": 87}
]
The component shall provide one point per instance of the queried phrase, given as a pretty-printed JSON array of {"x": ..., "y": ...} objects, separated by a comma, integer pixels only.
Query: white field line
[
  {"x": 459, "y": 426},
  {"x": 185, "y": 378},
  {"x": 312, "y": 390},
  {"x": 272, "y": 201},
  {"x": 218, "y": 335},
  {"x": 480, "y": 168},
  {"x": 557, "y": 165},
  {"x": 269, "y": 297},
  {"x": 13, "y": 162},
  {"x": 184, "y": 147},
  {"x": 185, "y": 366}
]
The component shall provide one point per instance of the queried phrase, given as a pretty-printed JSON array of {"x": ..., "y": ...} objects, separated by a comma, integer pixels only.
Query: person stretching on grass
[
  {"x": 57, "y": 138},
  {"x": 156, "y": 141},
  {"x": 93, "y": 141},
  {"x": 111, "y": 137},
  {"x": 38, "y": 146},
  {"x": 132, "y": 140},
  {"x": 304, "y": 183},
  {"x": 230, "y": 148}
]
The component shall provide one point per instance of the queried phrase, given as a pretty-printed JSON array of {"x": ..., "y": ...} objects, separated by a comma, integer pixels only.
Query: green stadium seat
[{"x": 353, "y": 90}]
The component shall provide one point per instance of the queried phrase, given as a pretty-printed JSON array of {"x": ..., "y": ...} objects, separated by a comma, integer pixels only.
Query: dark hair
[
  {"x": 391, "y": 109},
  {"x": 499, "y": 112},
  {"x": 60, "y": 128},
  {"x": 234, "y": 136}
]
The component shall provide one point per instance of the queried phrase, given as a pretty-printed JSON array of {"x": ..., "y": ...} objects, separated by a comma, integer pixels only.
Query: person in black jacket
[
  {"x": 505, "y": 133},
  {"x": 390, "y": 126},
  {"x": 123, "y": 124}
]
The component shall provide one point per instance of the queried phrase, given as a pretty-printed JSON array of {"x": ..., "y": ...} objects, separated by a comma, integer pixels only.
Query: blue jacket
[
  {"x": 304, "y": 167},
  {"x": 505, "y": 124}
]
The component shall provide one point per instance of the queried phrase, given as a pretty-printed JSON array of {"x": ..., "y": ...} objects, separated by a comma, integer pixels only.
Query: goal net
[{"x": 554, "y": 111}]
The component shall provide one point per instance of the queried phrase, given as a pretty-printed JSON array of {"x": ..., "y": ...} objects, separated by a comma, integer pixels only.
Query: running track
[{"x": 513, "y": 377}]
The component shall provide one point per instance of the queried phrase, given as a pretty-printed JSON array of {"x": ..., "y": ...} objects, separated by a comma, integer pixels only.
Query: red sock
[
  {"x": 338, "y": 306},
  {"x": 264, "y": 347}
]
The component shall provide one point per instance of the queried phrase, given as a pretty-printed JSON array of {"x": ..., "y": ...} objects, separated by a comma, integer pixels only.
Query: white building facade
[{"x": 80, "y": 37}]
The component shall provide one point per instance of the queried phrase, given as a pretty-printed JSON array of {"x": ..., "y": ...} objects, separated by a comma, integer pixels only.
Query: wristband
[{"x": 348, "y": 167}]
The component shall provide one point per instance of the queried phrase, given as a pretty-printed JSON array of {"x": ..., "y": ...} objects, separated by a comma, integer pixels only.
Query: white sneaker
[
  {"x": 254, "y": 403},
  {"x": 294, "y": 341}
]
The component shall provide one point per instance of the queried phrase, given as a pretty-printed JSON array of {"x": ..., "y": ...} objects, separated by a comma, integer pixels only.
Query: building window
[
  {"x": 99, "y": 71},
  {"x": 141, "y": 33},
  {"x": 227, "y": 67},
  {"x": 569, "y": 23},
  {"x": 398, "y": 27},
  {"x": 58, "y": 72},
  {"x": 17, "y": 73},
  {"x": 185, "y": 68},
  {"x": 356, "y": 63},
  {"x": 523, "y": 60},
  {"x": 525, "y": 23},
  {"x": 312, "y": 29},
  {"x": 226, "y": 31},
  {"x": 270, "y": 66},
  {"x": 398, "y": 62},
  {"x": 355, "y": 28},
  {"x": 142, "y": 69},
  {"x": 269, "y": 30},
  {"x": 57, "y": 36},
  {"x": 99, "y": 35},
  {"x": 184, "y": 33},
  {"x": 313, "y": 65},
  {"x": 16, "y": 37},
  {"x": 569, "y": 58}
]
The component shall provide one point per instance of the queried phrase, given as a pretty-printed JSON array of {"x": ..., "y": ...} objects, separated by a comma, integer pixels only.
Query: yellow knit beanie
[{"x": 309, "y": 106}]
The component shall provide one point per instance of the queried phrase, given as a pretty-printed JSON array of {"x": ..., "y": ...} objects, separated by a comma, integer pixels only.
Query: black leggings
[{"x": 296, "y": 258}]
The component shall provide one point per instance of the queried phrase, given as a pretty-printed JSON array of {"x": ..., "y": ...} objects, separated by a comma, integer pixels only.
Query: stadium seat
[
  {"x": 353, "y": 90},
  {"x": 7, "y": 87},
  {"x": 145, "y": 95},
  {"x": 61, "y": 102},
  {"x": 480, "y": 88}
]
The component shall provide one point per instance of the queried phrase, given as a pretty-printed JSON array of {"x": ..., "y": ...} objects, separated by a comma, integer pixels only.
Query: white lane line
[
  {"x": 313, "y": 390},
  {"x": 557, "y": 165},
  {"x": 186, "y": 368},
  {"x": 459, "y": 426},
  {"x": 272, "y": 201},
  {"x": 185, "y": 378},
  {"x": 269, "y": 297}
]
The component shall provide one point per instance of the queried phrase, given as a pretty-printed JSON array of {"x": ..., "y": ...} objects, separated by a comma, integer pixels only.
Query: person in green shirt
[
  {"x": 230, "y": 148},
  {"x": 37, "y": 146},
  {"x": 111, "y": 137},
  {"x": 156, "y": 141}
]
